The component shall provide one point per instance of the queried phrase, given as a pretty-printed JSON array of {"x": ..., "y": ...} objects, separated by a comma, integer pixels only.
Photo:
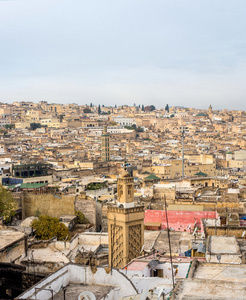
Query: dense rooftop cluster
[{"x": 80, "y": 164}]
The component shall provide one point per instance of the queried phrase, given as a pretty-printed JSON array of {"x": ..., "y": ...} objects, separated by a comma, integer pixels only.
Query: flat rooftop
[
  {"x": 217, "y": 271},
  {"x": 47, "y": 255},
  {"x": 206, "y": 289},
  {"x": 74, "y": 289},
  {"x": 8, "y": 237},
  {"x": 223, "y": 245},
  {"x": 213, "y": 281},
  {"x": 162, "y": 244}
]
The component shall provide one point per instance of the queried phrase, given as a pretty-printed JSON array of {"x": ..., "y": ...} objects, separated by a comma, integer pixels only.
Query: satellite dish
[
  {"x": 86, "y": 295},
  {"x": 219, "y": 257}
]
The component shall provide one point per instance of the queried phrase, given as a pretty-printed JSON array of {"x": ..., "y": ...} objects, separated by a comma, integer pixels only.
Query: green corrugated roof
[
  {"x": 202, "y": 115},
  {"x": 146, "y": 172},
  {"x": 201, "y": 174},
  {"x": 32, "y": 185},
  {"x": 28, "y": 186},
  {"x": 152, "y": 177}
]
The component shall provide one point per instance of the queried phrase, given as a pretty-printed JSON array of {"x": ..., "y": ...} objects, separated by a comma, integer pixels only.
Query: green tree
[
  {"x": 61, "y": 117},
  {"x": 142, "y": 107},
  {"x": 134, "y": 127},
  {"x": 7, "y": 205},
  {"x": 48, "y": 227},
  {"x": 87, "y": 111},
  {"x": 91, "y": 105},
  {"x": 81, "y": 219},
  {"x": 34, "y": 126},
  {"x": 9, "y": 126},
  {"x": 99, "y": 109}
]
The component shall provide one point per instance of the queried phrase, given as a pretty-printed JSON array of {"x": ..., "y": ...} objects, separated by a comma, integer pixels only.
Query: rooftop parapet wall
[
  {"x": 225, "y": 230},
  {"x": 179, "y": 220}
]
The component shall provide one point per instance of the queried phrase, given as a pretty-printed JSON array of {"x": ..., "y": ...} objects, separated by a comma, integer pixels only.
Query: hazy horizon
[{"x": 187, "y": 53}]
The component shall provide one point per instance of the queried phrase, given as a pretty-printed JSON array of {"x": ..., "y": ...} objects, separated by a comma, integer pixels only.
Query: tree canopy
[
  {"x": 48, "y": 227},
  {"x": 149, "y": 108},
  {"x": 9, "y": 126},
  {"x": 81, "y": 219},
  {"x": 34, "y": 126},
  {"x": 7, "y": 205},
  {"x": 134, "y": 127},
  {"x": 87, "y": 111}
]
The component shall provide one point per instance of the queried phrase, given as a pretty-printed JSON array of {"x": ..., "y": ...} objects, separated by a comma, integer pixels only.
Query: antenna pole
[
  {"x": 168, "y": 233},
  {"x": 182, "y": 152}
]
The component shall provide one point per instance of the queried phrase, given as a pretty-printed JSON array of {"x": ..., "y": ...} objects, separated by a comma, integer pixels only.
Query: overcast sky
[{"x": 180, "y": 52}]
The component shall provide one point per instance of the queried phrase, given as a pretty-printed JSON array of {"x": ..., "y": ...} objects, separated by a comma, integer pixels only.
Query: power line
[{"x": 168, "y": 233}]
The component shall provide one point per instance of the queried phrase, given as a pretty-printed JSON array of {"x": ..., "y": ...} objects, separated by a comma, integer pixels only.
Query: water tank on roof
[{"x": 86, "y": 295}]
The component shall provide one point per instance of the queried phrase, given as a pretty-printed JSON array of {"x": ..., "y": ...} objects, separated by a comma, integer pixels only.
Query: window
[{"x": 156, "y": 273}]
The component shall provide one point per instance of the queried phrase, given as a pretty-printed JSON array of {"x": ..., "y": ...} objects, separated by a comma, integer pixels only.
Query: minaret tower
[
  {"x": 210, "y": 110},
  {"x": 125, "y": 225},
  {"x": 105, "y": 145}
]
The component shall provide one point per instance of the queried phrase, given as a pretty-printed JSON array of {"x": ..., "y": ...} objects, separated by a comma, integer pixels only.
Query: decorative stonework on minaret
[
  {"x": 105, "y": 145},
  {"x": 125, "y": 225},
  {"x": 125, "y": 190}
]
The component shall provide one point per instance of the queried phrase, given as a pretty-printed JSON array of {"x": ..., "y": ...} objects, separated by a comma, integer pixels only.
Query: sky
[{"x": 188, "y": 53}]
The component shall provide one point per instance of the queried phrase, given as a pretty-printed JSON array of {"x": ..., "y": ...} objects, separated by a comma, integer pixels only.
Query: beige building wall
[
  {"x": 86, "y": 165},
  {"x": 200, "y": 159},
  {"x": 168, "y": 192},
  {"x": 32, "y": 116},
  {"x": 172, "y": 169},
  {"x": 237, "y": 164},
  {"x": 54, "y": 123},
  {"x": 22, "y": 125},
  {"x": 47, "y": 204},
  {"x": 87, "y": 206},
  {"x": 41, "y": 179}
]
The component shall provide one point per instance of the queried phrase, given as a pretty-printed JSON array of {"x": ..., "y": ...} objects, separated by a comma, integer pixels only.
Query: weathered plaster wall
[
  {"x": 13, "y": 251},
  {"x": 225, "y": 230},
  {"x": 48, "y": 204},
  {"x": 178, "y": 220},
  {"x": 87, "y": 206}
]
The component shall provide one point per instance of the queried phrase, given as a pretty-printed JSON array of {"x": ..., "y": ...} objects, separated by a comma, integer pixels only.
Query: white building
[
  {"x": 73, "y": 280},
  {"x": 124, "y": 121}
]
